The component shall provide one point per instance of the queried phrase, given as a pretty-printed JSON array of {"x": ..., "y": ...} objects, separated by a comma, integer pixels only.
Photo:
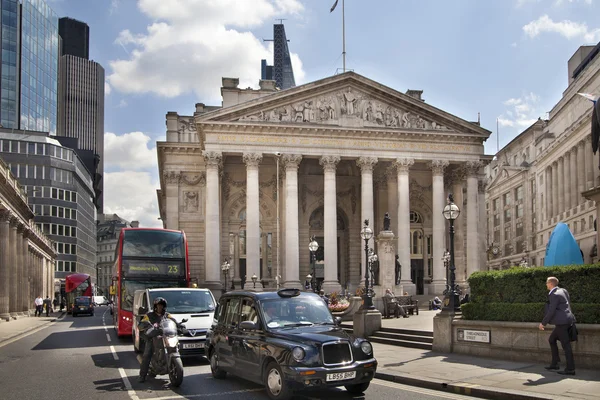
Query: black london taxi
[{"x": 287, "y": 340}]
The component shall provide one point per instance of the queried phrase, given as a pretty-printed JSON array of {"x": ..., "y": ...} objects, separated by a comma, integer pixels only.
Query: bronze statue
[
  {"x": 398, "y": 270},
  {"x": 386, "y": 222}
]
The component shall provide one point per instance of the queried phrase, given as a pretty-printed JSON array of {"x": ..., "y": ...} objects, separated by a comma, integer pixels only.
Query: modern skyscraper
[
  {"x": 75, "y": 37},
  {"x": 81, "y": 101},
  {"x": 29, "y": 64},
  {"x": 281, "y": 71}
]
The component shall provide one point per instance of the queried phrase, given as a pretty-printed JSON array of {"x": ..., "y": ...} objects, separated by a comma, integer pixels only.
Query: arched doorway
[
  {"x": 315, "y": 223},
  {"x": 417, "y": 248}
]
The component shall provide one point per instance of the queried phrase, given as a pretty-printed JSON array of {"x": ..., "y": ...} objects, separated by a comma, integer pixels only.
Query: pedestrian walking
[
  {"x": 39, "y": 303},
  {"x": 558, "y": 313},
  {"x": 54, "y": 304},
  {"x": 62, "y": 303},
  {"x": 47, "y": 304}
]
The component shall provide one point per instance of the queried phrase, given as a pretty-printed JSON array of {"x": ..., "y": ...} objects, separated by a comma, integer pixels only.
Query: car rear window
[{"x": 82, "y": 300}]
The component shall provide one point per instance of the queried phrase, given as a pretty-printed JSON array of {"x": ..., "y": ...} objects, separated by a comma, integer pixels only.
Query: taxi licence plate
[
  {"x": 193, "y": 345},
  {"x": 340, "y": 376},
  {"x": 82, "y": 308}
]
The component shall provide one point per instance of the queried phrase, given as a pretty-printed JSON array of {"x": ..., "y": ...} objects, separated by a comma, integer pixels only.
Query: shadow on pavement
[
  {"x": 110, "y": 385},
  {"x": 73, "y": 340}
]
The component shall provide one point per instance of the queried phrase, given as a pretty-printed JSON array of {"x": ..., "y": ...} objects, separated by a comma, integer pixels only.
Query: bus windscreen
[{"x": 153, "y": 244}]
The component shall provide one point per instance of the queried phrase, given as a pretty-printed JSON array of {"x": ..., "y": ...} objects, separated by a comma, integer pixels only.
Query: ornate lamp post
[
  {"x": 308, "y": 282},
  {"x": 254, "y": 279},
  {"x": 366, "y": 234},
  {"x": 313, "y": 246},
  {"x": 225, "y": 269},
  {"x": 452, "y": 302}
]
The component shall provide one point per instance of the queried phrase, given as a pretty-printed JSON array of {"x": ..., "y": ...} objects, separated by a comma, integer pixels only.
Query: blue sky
[{"x": 505, "y": 59}]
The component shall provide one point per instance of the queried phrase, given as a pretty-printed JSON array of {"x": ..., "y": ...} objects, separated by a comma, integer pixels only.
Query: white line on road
[
  {"x": 108, "y": 337},
  {"x": 114, "y": 353},
  {"x": 193, "y": 396},
  {"x": 414, "y": 389},
  {"x": 132, "y": 394}
]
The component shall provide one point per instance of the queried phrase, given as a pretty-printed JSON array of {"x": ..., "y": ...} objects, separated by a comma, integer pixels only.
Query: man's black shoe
[
  {"x": 567, "y": 372},
  {"x": 142, "y": 379},
  {"x": 552, "y": 367}
]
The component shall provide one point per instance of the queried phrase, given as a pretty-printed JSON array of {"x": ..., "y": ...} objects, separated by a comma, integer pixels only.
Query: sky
[{"x": 505, "y": 60}]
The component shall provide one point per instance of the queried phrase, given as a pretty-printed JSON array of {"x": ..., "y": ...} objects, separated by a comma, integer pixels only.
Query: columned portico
[
  {"x": 14, "y": 269},
  {"x": 366, "y": 165},
  {"x": 561, "y": 185},
  {"x": 567, "y": 177},
  {"x": 555, "y": 189},
  {"x": 212, "y": 226},
  {"x": 472, "y": 217},
  {"x": 573, "y": 187},
  {"x": 24, "y": 287},
  {"x": 5, "y": 264},
  {"x": 252, "y": 160},
  {"x": 580, "y": 172},
  {"x": 439, "y": 272},
  {"x": 403, "y": 166},
  {"x": 329, "y": 164},
  {"x": 292, "y": 238}
]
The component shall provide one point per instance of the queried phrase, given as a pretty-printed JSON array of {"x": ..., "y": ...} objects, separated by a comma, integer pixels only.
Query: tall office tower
[
  {"x": 281, "y": 71},
  {"x": 29, "y": 64},
  {"x": 81, "y": 101}
]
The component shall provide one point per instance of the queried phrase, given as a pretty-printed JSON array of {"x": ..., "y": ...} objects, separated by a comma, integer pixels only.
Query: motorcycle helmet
[{"x": 159, "y": 300}]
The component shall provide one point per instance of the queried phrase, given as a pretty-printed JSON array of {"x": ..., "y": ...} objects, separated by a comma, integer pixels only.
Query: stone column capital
[
  {"x": 573, "y": 150},
  {"x": 438, "y": 166},
  {"x": 366, "y": 164},
  {"x": 252, "y": 159},
  {"x": 403, "y": 164},
  {"x": 172, "y": 176},
  {"x": 472, "y": 168},
  {"x": 21, "y": 228},
  {"x": 329, "y": 163},
  {"x": 5, "y": 215},
  {"x": 213, "y": 158},
  {"x": 555, "y": 164},
  {"x": 291, "y": 161}
]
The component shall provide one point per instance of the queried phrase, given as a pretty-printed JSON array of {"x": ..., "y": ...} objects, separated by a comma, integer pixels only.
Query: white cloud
[
  {"x": 522, "y": 112},
  {"x": 560, "y": 2},
  {"x": 194, "y": 43},
  {"x": 107, "y": 88},
  {"x": 514, "y": 44},
  {"x": 566, "y": 28},
  {"x": 129, "y": 151},
  {"x": 521, "y": 3},
  {"x": 123, "y": 103},
  {"x": 132, "y": 195}
]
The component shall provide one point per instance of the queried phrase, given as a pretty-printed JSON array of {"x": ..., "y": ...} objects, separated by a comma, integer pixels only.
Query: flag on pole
[
  {"x": 333, "y": 6},
  {"x": 589, "y": 96},
  {"x": 595, "y": 120}
]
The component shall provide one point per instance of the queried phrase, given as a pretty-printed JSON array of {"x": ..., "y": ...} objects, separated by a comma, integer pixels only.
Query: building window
[
  {"x": 520, "y": 211},
  {"x": 519, "y": 193},
  {"x": 507, "y": 199},
  {"x": 497, "y": 236},
  {"x": 415, "y": 218},
  {"x": 519, "y": 229},
  {"x": 507, "y": 233},
  {"x": 520, "y": 246},
  {"x": 496, "y": 204},
  {"x": 507, "y": 215}
]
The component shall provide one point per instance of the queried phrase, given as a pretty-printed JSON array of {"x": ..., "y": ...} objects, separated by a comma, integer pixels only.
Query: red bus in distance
[
  {"x": 146, "y": 258},
  {"x": 77, "y": 285}
]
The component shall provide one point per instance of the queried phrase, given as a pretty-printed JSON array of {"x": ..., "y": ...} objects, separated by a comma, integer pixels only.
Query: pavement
[{"x": 473, "y": 376}]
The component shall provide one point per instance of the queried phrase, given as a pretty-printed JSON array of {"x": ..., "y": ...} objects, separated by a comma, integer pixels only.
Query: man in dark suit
[{"x": 559, "y": 314}]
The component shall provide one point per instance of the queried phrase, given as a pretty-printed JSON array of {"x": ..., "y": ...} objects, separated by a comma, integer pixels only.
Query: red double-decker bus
[
  {"x": 77, "y": 285},
  {"x": 146, "y": 258}
]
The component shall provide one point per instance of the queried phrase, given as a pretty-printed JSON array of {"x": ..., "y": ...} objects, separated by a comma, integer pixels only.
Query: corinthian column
[
  {"x": 25, "y": 298},
  {"x": 212, "y": 242},
  {"x": 331, "y": 283},
  {"x": 573, "y": 183},
  {"x": 292, "y": 237},
  {"x": 555, "y": 188},
  {"x": 589, "y": 162},
  {"x": 252, "y": 161},
  {"x": 561, "y": 186},
  {"x": 473, "y": 168},
  {"x": 439, "y": 273},
  {"x": 580, "y": 172},
  {"x": 403, "y": 166},
  {"x": 5, "y": 268},
  {"x": 567, "y": 177},
  {"x": 366, "y": 165},
  {"x": 14, "y": 269}
]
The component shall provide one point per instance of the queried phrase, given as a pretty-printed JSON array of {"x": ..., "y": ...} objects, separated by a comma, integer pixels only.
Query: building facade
[
  {"x": 81, "y": 101},
  {"x": 26, "y": 254},
  {"x": 108, "y": 229},
  {"x": 29, "y": 66},
  {"x": 59, "y": 191},
  {"x": 252, "y": 181},
  {"x": 536, "y": 181}
]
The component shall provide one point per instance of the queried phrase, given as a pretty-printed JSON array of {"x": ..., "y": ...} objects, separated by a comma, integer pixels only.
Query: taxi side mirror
[
  {"x": 338, "y": 321},
  {"x": 248, "y": 325}
]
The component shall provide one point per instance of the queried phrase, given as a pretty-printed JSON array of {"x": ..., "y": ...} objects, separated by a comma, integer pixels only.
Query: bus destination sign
[{"x": 153, "y": 268}]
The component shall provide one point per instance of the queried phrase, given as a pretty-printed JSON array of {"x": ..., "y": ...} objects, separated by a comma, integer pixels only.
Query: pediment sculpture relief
[{"x": 345, "y": 104}]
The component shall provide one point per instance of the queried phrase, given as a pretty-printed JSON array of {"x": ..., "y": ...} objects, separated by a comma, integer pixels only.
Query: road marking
[
  {"x": 114, "y": 353},
  {"x": 132, "y": 394},
  {"x": 108, "y": 337},
  {"x": 413, "y": 389},
  {"x": 193, "y": 396}
]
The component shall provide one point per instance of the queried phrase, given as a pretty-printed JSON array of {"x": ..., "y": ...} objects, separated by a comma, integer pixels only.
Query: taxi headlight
[
  {"x": 366, "y": 347},
  {"x": 298, "y": 353},
  {"x": 172, "y": 341}
]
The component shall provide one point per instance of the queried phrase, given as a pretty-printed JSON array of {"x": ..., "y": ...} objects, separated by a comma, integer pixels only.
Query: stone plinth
[
  {"x": 442, "y": 332},
  {"x": 366, "y": 322}
]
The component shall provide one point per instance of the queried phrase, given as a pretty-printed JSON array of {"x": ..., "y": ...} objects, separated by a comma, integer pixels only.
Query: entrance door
[
  {"x": 242, "y": 272},
  {"x": 417, "y": 273}
]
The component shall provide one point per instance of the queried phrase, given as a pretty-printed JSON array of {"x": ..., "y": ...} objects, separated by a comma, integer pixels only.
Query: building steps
[{"x": 400, "y": 337}]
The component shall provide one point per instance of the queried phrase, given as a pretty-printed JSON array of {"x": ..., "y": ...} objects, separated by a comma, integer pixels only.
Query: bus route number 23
[{"x": 173, "y": 269}]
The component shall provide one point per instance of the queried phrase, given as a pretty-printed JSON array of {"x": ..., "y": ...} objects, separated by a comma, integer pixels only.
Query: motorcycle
[{"x": 165, "y": 358}]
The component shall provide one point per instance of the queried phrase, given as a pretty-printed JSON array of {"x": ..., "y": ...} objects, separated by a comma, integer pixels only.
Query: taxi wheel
[
  {"x": 217, "y": 372},
  {"x": 277, "y": 387},
  {"x": 358, "y": 388}
]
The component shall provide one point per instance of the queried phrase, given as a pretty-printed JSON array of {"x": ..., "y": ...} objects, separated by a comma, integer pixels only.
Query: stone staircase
[{"x": 400, "y": 337}]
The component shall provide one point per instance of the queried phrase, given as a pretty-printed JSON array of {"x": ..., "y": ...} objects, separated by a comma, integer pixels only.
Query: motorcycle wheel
[{"x": 176, "y": 372}]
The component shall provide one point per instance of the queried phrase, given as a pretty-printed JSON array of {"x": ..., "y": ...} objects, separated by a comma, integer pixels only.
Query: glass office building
[{"x": 29, "y": 66}]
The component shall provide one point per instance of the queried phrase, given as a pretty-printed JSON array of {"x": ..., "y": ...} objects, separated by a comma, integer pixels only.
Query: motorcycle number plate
[{"x": 193, "y": 345}]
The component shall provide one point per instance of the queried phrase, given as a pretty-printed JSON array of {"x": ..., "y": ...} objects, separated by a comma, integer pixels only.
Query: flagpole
[
  {"x": 344, "y": 34},
  {"x": 497, "y": 138}
]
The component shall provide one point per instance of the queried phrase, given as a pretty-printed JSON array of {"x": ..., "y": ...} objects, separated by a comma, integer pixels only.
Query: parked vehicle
[
  {"x": 100, "y": 301},
  {"x": 83, "y": 305},
  {"x": 288, "y": 341},
  {"x": 165, "y": 358},
  {"x": 195, "y": 305}
]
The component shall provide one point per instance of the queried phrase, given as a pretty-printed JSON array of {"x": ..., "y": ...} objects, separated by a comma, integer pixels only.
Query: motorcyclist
[{"x": 149, "y": 326}]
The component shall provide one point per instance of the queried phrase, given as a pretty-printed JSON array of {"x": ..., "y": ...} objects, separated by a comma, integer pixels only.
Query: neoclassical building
[
  {"x": 250, "y": 182},
  {"x": 27, "y": 257}
]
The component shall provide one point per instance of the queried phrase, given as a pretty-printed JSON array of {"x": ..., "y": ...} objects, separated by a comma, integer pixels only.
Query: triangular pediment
[
  {"x": 505, "y": 173},
  {"x": 346, "y": 100}
]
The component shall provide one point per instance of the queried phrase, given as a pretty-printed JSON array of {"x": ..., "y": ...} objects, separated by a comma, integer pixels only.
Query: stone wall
[{"x": 523, "y": 341}]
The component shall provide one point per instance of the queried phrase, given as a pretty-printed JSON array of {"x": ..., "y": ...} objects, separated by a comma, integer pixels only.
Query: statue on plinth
[
  {"x": 386, "y": 222},
  {"x": 398, "y": 270}
]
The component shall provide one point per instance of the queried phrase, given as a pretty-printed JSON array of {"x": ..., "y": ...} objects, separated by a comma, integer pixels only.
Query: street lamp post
[
  {"x": 366, "y": 234},
  {"x": 372, "y": 260},
  {"x": 452, "y": 303},
  {"x": 225, "y": 269},
  {"x": 313, "y": 246},
  {"x": 254, "y": 279},
  {"x": 446, "y": 261}
]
